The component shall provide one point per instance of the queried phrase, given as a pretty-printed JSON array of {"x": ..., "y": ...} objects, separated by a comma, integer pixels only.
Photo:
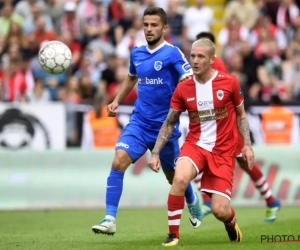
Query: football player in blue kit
[{"x": 156, "y": 68}]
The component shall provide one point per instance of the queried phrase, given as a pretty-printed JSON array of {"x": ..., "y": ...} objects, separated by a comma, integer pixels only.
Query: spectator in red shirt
[
  {"x": 41, "y": 34},
  {"x": 13, "y": 82}
]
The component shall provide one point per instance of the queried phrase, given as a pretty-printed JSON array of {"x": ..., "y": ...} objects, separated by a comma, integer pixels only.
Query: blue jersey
[{"x": 158, "y": 72}]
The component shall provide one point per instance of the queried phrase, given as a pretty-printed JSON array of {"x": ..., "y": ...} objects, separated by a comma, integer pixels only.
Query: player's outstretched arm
[
  {"x": 163, "y": 137},
  {"x": 243, "y": 127},
  {"x": 126, "y": 87},
  {"x": 166, "y": 130}
]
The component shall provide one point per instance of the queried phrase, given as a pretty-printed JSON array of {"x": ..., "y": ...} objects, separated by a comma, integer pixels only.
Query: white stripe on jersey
[{"x": 208, "y": 129}]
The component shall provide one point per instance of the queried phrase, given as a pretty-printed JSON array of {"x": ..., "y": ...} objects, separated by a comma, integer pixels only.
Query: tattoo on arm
[
  {"x": 166, "y": 131},
  {"x": 243, "y": 127}
]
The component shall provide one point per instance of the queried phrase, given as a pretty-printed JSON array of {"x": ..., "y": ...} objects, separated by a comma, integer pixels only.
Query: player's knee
[
  {"x": 180, "y": 182},
  {"x": 121, "y": 162},
  {"x": 220, "y": 210}
]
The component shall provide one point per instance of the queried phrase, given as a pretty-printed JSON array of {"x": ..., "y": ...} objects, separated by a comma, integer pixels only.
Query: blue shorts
[{"x": 135, "y": 141}]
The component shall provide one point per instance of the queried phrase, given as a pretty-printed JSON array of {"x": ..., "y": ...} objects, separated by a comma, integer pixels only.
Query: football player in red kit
[
  {"x": 261, "y": 183},
  {"x": 215, "y": 106}
]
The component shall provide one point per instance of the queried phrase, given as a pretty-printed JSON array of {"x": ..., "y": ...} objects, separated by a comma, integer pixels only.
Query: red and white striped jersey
[{"x": 211, "y": 110}]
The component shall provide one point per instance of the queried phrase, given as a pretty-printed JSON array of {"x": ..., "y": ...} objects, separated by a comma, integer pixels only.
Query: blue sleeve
[
  {"x": 132, "y": 70},
  {"x": 181, "y": 64}
]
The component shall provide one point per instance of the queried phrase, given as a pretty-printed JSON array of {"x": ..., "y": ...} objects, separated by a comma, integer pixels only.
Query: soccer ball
[{"x": 55, "y": 57}]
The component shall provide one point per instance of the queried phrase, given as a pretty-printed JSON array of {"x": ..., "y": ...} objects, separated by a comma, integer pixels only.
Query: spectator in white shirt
[{"x": 197, "y": 19}]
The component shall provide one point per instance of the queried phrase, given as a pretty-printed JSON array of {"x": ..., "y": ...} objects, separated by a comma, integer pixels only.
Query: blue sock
[
  {"x": 114, "y": 190},
  {"x": 189, "y": 194}
]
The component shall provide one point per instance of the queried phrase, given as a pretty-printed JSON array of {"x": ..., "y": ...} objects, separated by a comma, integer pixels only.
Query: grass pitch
[{"x": 140, "y": 229}]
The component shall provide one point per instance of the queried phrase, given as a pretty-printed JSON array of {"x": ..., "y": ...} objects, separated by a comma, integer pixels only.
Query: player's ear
[
  {"x": 212, "y": 59},
  {"x": 165, "y": 28}
]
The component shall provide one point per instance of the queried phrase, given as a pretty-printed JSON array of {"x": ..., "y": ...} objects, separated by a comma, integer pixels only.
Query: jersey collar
[
  {"x": 151, "y": 51},
  {"x": 210, "y": 80}
]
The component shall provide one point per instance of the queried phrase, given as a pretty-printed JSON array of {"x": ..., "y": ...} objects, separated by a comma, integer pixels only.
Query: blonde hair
[{"x": 205, "y": 43}]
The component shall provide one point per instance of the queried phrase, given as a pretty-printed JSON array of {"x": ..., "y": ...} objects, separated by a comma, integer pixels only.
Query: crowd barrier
[{"x": 75, "y": 179}]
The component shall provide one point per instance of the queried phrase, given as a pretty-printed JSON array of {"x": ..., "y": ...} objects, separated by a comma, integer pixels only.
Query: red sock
[
  {"x": 230, "y": 223},
  {"x": 175, "y": 208},
  {"x": 261, "y": 184}
]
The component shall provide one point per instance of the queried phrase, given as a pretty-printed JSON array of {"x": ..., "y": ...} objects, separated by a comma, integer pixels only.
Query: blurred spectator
[
  {"x": 72, "y": 23},
  {"x": 108, "y": 74},
  {"x": 264, "y": 31},
  {"x": 15, "y": 34},
  {"x": 196, "y": 19},
  {"x": 287, "y": 16},
  {"x": 86, "y": 9},
  {"x": 291, "y": 76},
  {"x": 13, "y": 54},
  {"x": 30, "y": 22},
  {"x": 39, "y": 93},
  {"x": 30, "y": 46},
  {"x": 294, "y": 45},
  {"x": 233, "y": 26},
  {"x": 87, "y": 90},
  {"x": 270, "y": 73},
  {"x": 96, "y": 23},
  {"x": 236, "y": 68},
  {"x": 92, "y": 66},
  {"x": 24, "y": 7},
  {"x": 133, "y": 37},
  {"x": 124, "y": 23},
  {"x": 13, "y": 82},
  {"x": 55, "y": 10},
  {"x": 245, "y": 10},
  {"x": 116, "y": 11},
  {"x": 99, "y": 130},
  {"x": 7, "y": 16},
  {"x": 41, "y": 34},
  {"x": 175, "y": 22},
  {"x": 28, "y": 73},
  {"x": 250, "y": 66}
]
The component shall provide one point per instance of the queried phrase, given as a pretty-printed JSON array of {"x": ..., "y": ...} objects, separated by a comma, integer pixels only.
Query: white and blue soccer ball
[{"x": 55, "y": 57}]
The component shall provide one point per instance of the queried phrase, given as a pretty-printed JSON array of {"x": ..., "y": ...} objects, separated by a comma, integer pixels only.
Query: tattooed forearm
[
  {"x": 243, "y": 127},
  {"x": 166, "y": 130}
]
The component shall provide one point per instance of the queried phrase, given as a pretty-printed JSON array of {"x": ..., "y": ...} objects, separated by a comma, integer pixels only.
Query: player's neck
[
  {"x": 154, "y": 46},
  {"x": 205, "y": 77}
]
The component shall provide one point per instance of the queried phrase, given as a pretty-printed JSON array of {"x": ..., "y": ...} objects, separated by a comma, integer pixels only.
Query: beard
[{"x": 154, "y": 41}]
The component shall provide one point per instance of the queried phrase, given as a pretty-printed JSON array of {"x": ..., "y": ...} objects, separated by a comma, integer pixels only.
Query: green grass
[{"x": 139, "y": 229}]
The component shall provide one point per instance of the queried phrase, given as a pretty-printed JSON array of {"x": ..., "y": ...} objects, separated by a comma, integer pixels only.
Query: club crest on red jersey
[
  {"x": 157, "y": 65},
  {"x": 220, "y": 94}
]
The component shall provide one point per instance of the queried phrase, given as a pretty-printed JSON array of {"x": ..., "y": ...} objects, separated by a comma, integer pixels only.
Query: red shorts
[{"x": 217, "y": 170}]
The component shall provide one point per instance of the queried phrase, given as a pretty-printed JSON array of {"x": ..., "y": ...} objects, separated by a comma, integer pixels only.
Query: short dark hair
[
  {"x": 207, "y": 35},
  {"x": 156, "y": 11}
]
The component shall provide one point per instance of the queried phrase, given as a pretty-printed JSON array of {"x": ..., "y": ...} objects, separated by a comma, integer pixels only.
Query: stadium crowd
[{"x": 260, "y": 44}]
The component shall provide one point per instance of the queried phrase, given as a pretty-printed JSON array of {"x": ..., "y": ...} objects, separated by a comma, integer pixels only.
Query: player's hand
[
  {"x": 248, "y": 156},
  {"x": 112, "y": 109},
  {"x": 185, "y": 78},
  {"x": 154, "y": 162}
]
